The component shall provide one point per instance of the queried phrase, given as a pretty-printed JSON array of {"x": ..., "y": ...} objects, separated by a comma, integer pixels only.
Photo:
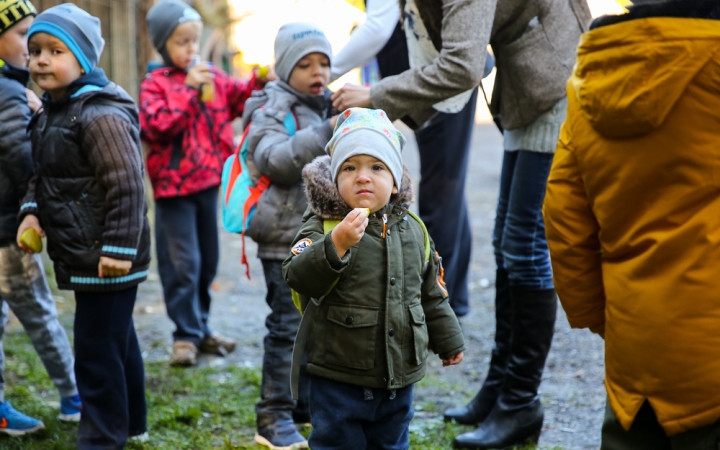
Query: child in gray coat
[{"x": 302, "y": 63}]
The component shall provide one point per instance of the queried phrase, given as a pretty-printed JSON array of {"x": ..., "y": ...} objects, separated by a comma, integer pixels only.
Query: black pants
[
  {"x": 276, "y": 402},
  {"x": 109, "y": 370},
  {"x": 188, "y": 251},
  {"x": 645, "y": 433},
  {"x": 444, "y": 147}
]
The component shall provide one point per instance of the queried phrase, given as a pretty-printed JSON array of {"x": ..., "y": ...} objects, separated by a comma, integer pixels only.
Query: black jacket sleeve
[{"x": 15, "y": 148}]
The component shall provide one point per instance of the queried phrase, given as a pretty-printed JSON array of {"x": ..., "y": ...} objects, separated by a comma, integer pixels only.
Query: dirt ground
[{"x": 572, "y": 388}]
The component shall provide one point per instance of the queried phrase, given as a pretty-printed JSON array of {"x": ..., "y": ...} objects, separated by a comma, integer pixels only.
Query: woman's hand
[
  {"x": 30, "y": 221},
  {"x": 111, "y": 267},
  {"x": 453, "y": 360},
  {"x": 349, "y": 232},
  {"x": 351, "y": 95}
]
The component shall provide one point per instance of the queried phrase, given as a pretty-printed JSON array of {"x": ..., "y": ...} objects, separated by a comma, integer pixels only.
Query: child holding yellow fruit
[{"x": 380, "y": 300}]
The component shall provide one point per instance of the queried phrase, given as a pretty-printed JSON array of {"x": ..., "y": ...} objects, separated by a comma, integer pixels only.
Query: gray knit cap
[
  {"x": 75, "y": 28},
  {"x": 163, "y": 18},
  {"x": 293, "y": 42},
  {"x": 361, "y": 131}
]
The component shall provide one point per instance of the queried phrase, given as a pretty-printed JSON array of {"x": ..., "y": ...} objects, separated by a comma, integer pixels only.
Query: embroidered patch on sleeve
[
  {"x": 440, "y": 276},
  {"x": 301, "y": 245}
]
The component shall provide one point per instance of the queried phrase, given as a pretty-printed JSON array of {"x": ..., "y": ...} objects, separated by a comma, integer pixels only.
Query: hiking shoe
[
  {"x": 15, "y": 423},
  {"x": 281, "y": 435},
  {"x": 217, "y": 345},
  {"x": 70, "y": 409},
  {"x": 184, "y": 354}
]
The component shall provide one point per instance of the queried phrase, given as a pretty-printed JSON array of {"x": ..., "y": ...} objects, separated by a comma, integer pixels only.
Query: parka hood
[
  {"x": 629, "y": 75},
  {"x": 324, "y": 198}
]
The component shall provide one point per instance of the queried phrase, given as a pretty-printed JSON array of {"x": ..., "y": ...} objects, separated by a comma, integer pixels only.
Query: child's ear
[{"x": 394, "y": 190}]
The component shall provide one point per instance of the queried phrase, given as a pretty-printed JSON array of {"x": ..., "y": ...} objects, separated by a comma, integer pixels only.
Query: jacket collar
[
  {"x": 19, "y": 74},
  {"x": 325, "y": 202},
  {"x": 319, "y": 103},
  {"x": 93, "y": 81}
]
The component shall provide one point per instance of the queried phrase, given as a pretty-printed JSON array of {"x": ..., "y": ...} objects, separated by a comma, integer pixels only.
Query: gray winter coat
[
  {"x": 281, "y": 157},
  {"x": 534, "y": 43}
]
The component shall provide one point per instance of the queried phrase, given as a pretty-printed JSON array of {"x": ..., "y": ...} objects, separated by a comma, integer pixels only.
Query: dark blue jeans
[
  {"x": 519, "y": 236},
  {"x": 188, "y": 250},
  {"x": 343, "y": 420},
  {"x": 444, "y": 146},
  {"x": 109, "y": 370}
]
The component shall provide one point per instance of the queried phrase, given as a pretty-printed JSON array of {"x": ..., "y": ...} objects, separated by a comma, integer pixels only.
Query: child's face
[
  {"x": 13, "y": 43},
  {"x": 52, "y": 65},
  {"x": 311, "y": 74},
  {"x": 183, "y": 45},
  {"x": 365, "y": 182}
]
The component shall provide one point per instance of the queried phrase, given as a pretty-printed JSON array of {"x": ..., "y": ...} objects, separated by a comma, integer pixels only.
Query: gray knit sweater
[{"x": 534, "y": 42}]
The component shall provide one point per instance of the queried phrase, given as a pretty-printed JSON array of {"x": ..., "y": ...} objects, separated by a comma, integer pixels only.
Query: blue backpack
[{"x": 240, "y": 194}]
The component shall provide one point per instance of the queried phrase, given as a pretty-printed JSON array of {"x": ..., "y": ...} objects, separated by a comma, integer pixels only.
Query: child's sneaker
[
  {"x": 70, "y": 409},
  {"x": 282, "y": 435},
  {"x": 141, "y": 438},
  {"x": 15, "y": 423}
]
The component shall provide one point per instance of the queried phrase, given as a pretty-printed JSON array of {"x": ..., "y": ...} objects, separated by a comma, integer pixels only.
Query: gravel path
[{"x": 572, "y": 389}]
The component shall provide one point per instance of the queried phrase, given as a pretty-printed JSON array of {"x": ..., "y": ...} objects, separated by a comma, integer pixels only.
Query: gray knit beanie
[
  {"x": 361, "y": 131},
  {"x": 163, "y": 18},
  {"x": 293, "y": 42},
  {"x": 75, "y": 28}
]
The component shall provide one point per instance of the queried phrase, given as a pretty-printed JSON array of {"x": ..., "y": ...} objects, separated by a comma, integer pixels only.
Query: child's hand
[
  {"x": 30, "y": 221},
  {"x": 349, "y": 232},
  {"x": 33, "y": 101},
  {"x": 333, "y": 121},
  {"x": 199, "y": 74},
  {"x": 453, "y": 360},
  {"x": 111, "y": 267}
]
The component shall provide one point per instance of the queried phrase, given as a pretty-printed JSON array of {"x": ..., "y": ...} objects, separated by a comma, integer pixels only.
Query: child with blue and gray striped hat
[{"x": 87, "y": 197}]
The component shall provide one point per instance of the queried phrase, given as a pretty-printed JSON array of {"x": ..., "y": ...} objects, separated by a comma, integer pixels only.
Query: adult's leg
[
  {"x": 178, "y": 255},
  {"x": 274, "y": 410},
  {"x": 480, "y": 406},
  {"x": 518, "y": 414},
  {"x": 102, "y": 324},
  {"x": 644, "y": 434},
  {"x": 209, "y": 243},
  {"x": 24, "y": 287},
  {"x": 444, "y": 147}
]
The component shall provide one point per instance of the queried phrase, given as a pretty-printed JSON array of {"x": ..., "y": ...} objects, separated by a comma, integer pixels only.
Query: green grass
[{"x": 200, "y": 408}]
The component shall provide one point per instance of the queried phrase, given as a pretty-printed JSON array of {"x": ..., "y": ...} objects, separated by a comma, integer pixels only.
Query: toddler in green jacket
[{"x": 378, "y": 303}]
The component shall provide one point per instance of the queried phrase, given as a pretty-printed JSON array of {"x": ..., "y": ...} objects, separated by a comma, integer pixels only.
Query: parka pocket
[
  {"x": 84, "y": 221},
  {"x": 352, "y": 336},
  {"x": 420, "y": 332}
]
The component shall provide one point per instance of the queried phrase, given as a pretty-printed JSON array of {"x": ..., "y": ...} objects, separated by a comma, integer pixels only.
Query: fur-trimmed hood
[{"x": 324, "y": 198}]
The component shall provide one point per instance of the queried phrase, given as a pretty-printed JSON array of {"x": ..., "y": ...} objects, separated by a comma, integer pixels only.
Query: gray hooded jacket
[{"x": 281, "y": 157}]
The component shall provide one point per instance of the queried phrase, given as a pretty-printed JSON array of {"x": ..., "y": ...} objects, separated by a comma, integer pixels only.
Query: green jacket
[{"x": 375, "y": 327}]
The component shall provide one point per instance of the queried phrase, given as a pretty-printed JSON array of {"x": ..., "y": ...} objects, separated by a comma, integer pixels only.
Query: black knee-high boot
[
  {"x": 518, "y": 414},
  {"x": 480, "y": 406}
]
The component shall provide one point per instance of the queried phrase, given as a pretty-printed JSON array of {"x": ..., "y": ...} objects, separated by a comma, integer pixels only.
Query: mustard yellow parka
[{"x": 633, "y": 213}]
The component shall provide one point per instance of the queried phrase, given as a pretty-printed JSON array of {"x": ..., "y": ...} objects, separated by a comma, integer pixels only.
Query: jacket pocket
[
  {"x": 352, "y": 336},
  {"x": 420, "y": 332},
  {"x": 84, "y": 221}
]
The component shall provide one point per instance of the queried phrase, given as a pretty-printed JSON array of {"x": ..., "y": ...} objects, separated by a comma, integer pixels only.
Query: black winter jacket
[
  {"x": 15, "y": 150},
  {"x": 88, "y": 186}
]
